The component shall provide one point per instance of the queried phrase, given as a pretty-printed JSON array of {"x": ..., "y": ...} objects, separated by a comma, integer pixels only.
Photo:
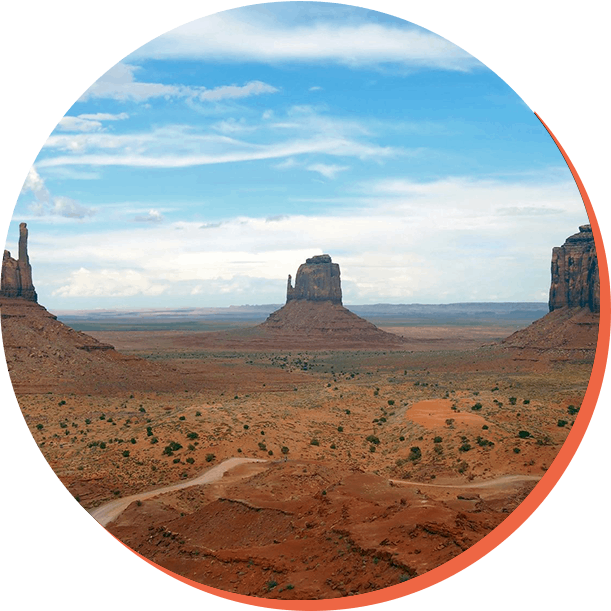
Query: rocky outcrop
[
  {"x": 318, "y": 279},
  {"x": 575, "y": 279},
  {"x": 17, "y": 274},
  {"x": 314, "y": 317}
]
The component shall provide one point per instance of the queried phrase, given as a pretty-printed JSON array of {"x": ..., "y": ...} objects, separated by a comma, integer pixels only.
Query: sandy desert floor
[{"x": 373, "y": 466}]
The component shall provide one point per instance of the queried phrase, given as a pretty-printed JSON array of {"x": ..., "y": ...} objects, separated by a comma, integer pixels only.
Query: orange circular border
[{"x": 519, "y": 515}]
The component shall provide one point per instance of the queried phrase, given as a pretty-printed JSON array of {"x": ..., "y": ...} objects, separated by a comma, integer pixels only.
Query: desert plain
[{"x": 349, "y": 470}]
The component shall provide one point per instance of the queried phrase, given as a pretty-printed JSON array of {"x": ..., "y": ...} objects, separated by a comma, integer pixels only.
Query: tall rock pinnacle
[
  {"x": 17, "y": 274},
  {"x": 318, "y": 279},
  {"x": 575, "y": 278}
]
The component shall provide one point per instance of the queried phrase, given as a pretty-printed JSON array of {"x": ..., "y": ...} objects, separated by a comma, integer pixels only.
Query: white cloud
[
  {"x": 108, "y": 283},
  {"x": 77, "y": 124},
  {"x": 152, "y": 216},
  {"x": 44, "y": 204},
  {"x": 315, "y": 88},
  {"x": 228, "y": 37},
  {"x": 36, "y": 185},
  {"x": 105, "y": 116},
  {"x": 326, "y": 170},
  {"x": 120, "y": 83}
]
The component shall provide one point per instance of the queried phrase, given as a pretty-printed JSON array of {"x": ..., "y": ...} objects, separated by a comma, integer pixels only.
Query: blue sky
[{"x": 211, "y": 162}]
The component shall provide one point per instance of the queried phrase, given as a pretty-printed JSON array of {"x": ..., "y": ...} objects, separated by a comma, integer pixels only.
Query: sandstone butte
[
  {"x": 314, "y": 312},
  {"x": 571, "y": 327}
]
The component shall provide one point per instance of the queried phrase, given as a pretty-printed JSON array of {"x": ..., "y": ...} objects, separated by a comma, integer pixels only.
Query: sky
[{"x": 210, "y": 163}]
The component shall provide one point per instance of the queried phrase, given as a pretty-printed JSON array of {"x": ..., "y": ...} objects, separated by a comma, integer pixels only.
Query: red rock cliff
[
  {"x": 575, "y": 279},
  {"x": 317, "y": 279},
  {"x": 17, "y": 274}
]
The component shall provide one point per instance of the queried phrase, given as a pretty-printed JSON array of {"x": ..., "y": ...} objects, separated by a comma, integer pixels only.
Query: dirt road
[
  {"x": 497, "y": 482},
  {"x": 109, "y": 511}
]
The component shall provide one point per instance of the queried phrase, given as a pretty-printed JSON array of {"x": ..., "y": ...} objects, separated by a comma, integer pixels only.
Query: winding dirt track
[
  {"x": 110, "y": 511},
  {"x": 497, "y": 482}
]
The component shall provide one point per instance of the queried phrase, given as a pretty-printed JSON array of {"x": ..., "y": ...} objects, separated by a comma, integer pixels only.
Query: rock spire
[{"x": 17, "y": 274}]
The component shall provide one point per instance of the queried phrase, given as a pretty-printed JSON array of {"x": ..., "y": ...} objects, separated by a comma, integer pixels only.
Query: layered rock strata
[
  {"x": 17, "y": 274},
  {"x": 575, "y": 278}
]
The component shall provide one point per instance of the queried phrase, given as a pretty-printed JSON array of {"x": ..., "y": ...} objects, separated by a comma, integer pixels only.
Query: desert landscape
[{"x": 308, "y": 453}]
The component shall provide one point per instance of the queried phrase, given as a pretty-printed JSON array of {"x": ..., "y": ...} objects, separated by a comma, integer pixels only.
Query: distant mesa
[
  {"x": 575, "y": 279},
  {"x": 314, "y": 316},
  {"x": 17, "y": 274}
]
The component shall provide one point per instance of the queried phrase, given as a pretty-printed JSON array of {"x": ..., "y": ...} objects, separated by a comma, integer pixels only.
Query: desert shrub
[
  {"x": 270, "y": 452},
  {"x": 63, "y": 425},
  {"x": 314, "y": 442},
  {"x": 572, "y": 410},
  {"x": 391, "y": 401},
  {"x": 449, "y": 421},
  {"x": 182, "y": 418},
  {"x": 513, "y": 400},
  {"x": 192, "y": 435},
  {"x": 125, "y": 453},
  {"x": 372, "y": 448},
  {"x": 262, "y": 446},
  {"x": 495, "y": 389},
  {"x": 87, "y": 421},
  {"x": 190, "y": 460},
  {"x": 132, "y": 440},
  {"x": 401, "y": 438},
  {"x": 198, "y": 414},
  {"x": 176, "y": 461},
  {"x": 438, "y": 449},
  {"x": 62, "y": 402},
  {"x": 284, "y": 450},
  {"x": 141, "y": 409},
  {"x": 382, "y": 419},
  {"x": 437, "y": 439},
  {"x": 262, "y": 432},
  {"x": 154, "y": 440},
  {"x": 526, "y": 401},
  {"x": 415, "y": 453},
  {"x": 523, "y": 434},
  {"x": 172, "y": 447},
  {"x": 484, "y": 442},
  {"x": 246, "y": 427},
  {"x": 477, "y": 407},
  {"x": 372, "y": 439},
  {"x": 333, "y": 446},
  {"x": 210, "y": 457},
  {"x": 465, "y": 447},
  {"x": 102, "y": 445},
  {"x": 347, "y": 411},
  {"x": 39, "y": 427},
  {"x": 485, "y": 427},
  {"x": 376, "y": 392},
  {"x": 340, "y": 429},
  {"x": 516, "y": 450},
  {"x": 271, "y": 585},
  {"x": 562, "y": 423},
  {"x": 149, "y": 431}
]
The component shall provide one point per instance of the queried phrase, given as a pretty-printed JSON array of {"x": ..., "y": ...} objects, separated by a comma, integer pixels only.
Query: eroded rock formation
[
  {"x": 17, "y": 274},
  {"x": 318, "y": 279},
  {"x": 314, "y": 317},
  {"x": 575, "y": 279}
]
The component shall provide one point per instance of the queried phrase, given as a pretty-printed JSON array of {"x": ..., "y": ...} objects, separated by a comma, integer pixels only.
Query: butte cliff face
[
  {"x": 314, "y": 316},
  {"x": 318, "y": 279},
  {"x": 575, "y": 279},
  {"x": 570, "y": 330},
  {"x": 17, "y": 274}
]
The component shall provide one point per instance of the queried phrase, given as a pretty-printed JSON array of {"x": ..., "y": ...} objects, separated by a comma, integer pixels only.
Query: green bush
[
  {"x": 125, "y": 453},
  {"x": 372, "y": 439},
  {"x": 477, "y": 407},
  {"x": 190, "y": 460},
  {"x": 154, "y": 440},
  {"x": 210, "y": 457},
  {"x": 572, "y": 410},
  {"x": 284, "y": 450},
  {"x": 415, "y": 453},
  {"x": 391, "y": 401},
  {"x": 465, "y": 447},
  {"x": 516, "y": 450},
  {"x": 192, "y": 435},
  {"x": 102, "y": 445},
  {"x": 172, "y": 447},
  {"x": 513, "y": 400},
  {"x": 562, "y": 423},
  {"x": 246, "y": 427},
  {"x": 340, "y": 429},
  {"x": 401, "y": 438},
  {"x": 314, "y": 442},
  {"x": 39, "y": 427},
  {"x": 262, "y": 446},
  {"x": 523, "y": 434},
  {"x": 437, "y": 440}
]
